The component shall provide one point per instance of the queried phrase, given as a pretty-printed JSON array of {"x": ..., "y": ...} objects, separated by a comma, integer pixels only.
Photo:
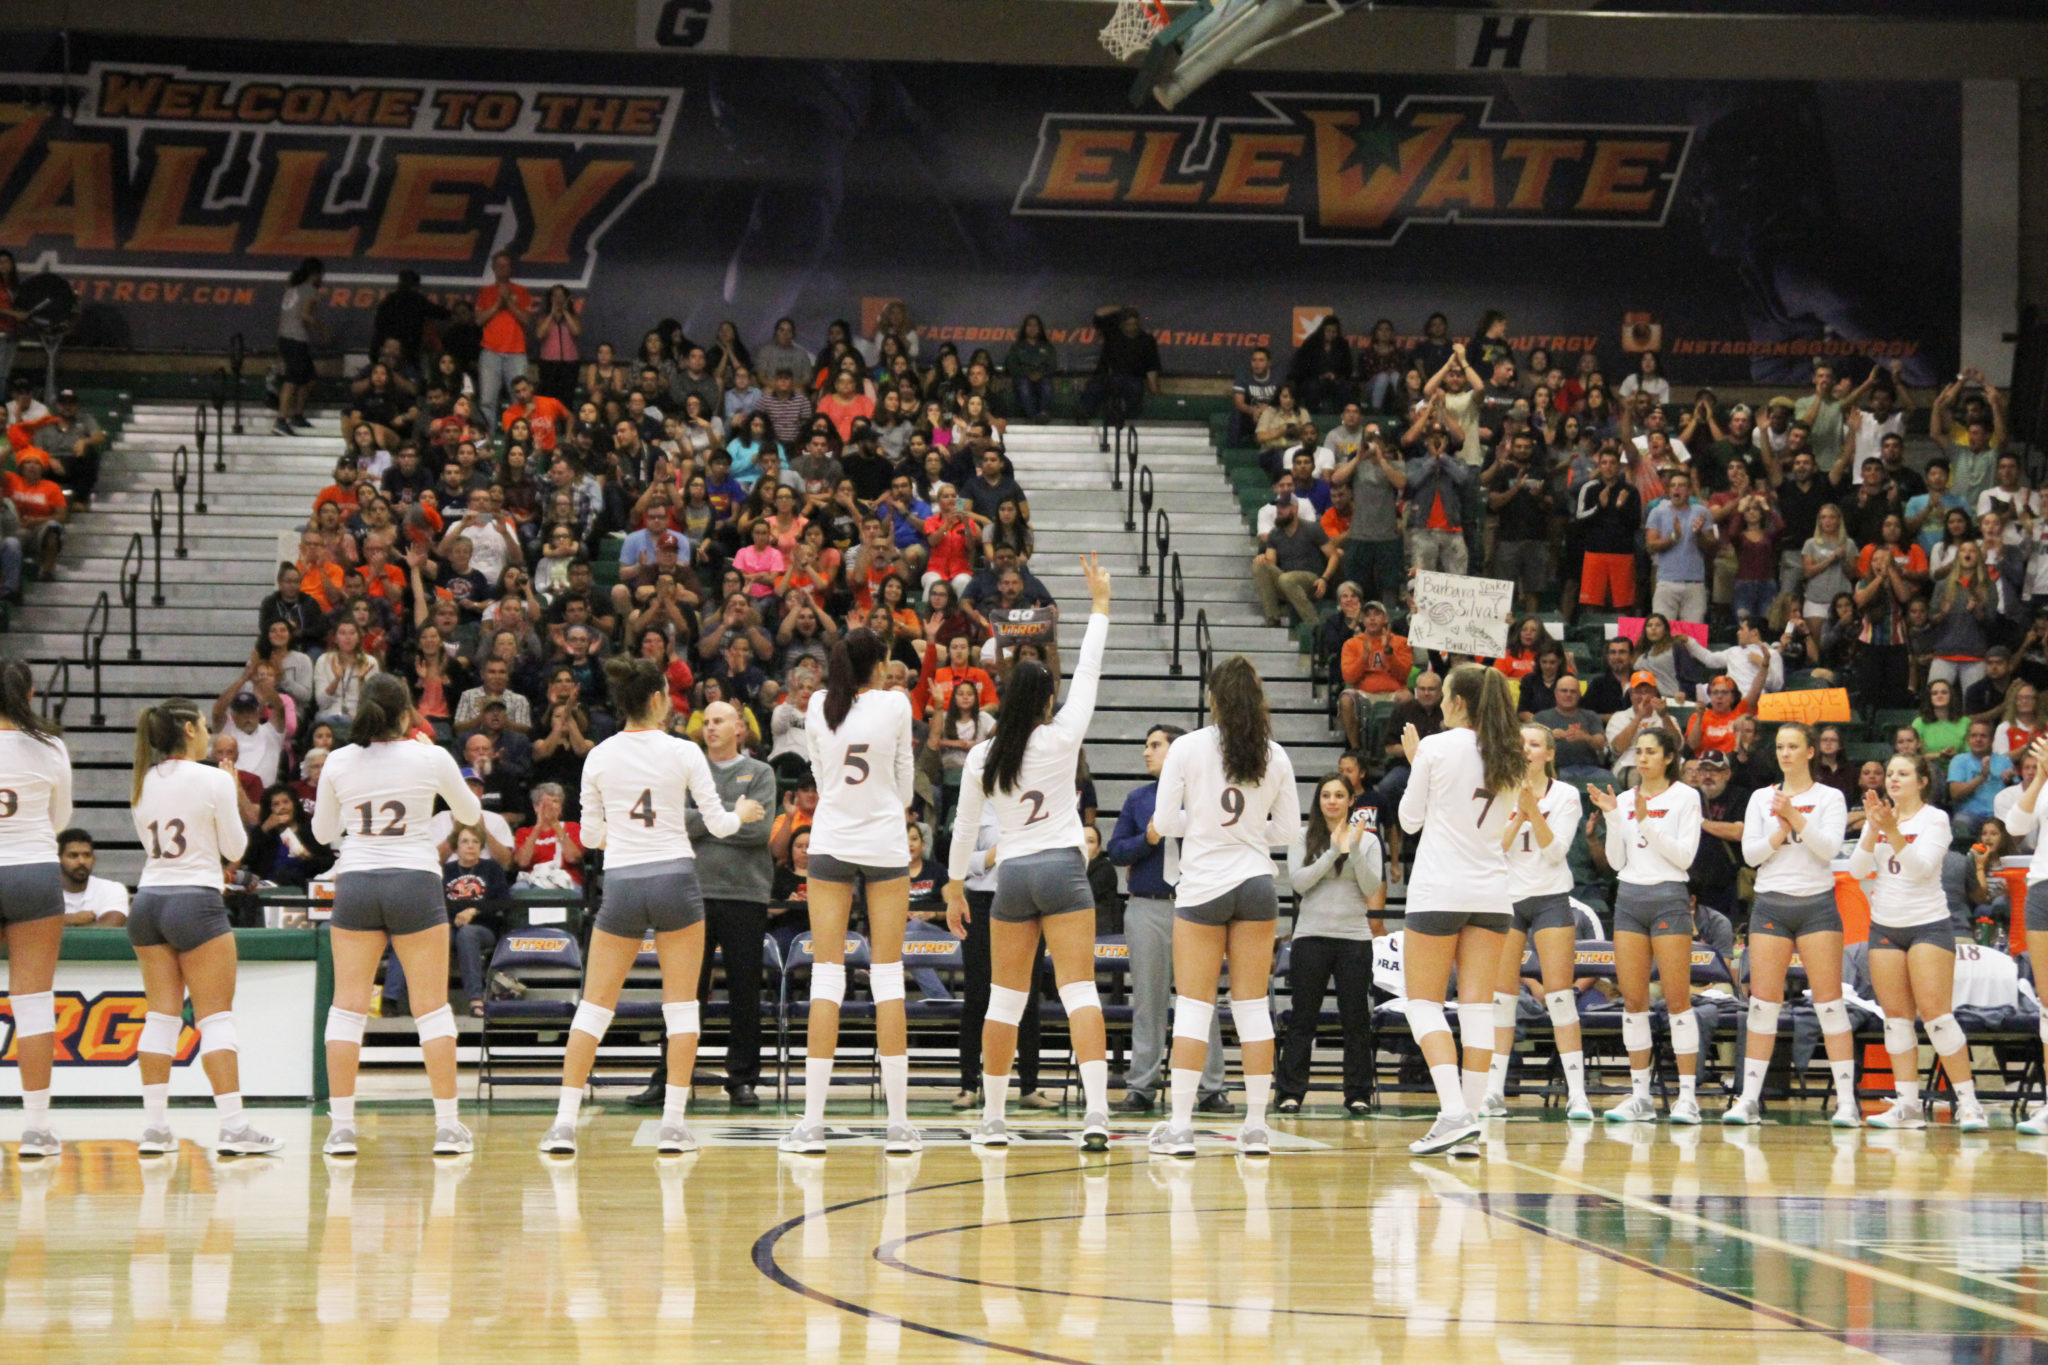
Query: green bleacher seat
[
  {"x": 1892, "y": 718},
  {"x": 1868, "y": 751}
]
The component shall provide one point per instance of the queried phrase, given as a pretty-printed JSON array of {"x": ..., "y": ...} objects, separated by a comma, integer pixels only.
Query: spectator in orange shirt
[
  {"x": 1713, "y": 725},
  {"x": 1337, "y": 521},
  {"x": 797, "y": 808},
  {"x": 545, "y": 415},
  {"x": 935, "y": 683},
  {"x": 345, "y": 489},
  {"x": 40, "y": 504},
  {"x": 320, "y": 577},
  {"x": 503, "y": 308},
  {"x": 1375, "y": 665}
]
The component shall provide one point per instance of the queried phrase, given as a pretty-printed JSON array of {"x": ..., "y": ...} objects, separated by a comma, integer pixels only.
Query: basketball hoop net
[{"x": 1132, "y": 27}]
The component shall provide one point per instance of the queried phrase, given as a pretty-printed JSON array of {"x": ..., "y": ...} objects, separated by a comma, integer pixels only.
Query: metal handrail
[
  {"x": 1180, "y": 608},
  {"x": 130, "y": 583},
  {"x": 1141, "y": 487},
  {"x": 181, "y": 464},
  {"x": 60, "y": 670},
  {"x": 92, "y": 645},
  {"x": 220, "y": 423},
  {"x": 238, "y": 351},
  {"x": 156, "y": 535},
  {"x": 199, "y": 503},
  {"x": 1205, "y": 657},
  {"x": 1163, "y": 529}
]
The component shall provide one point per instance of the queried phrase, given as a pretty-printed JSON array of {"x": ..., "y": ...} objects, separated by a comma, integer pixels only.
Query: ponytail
[
  {"x": 160, "y": 734},
  {"x": 17, "y": 705},
  {"x": 380, "y": 709},
  {"x": 635, "y": 683},
  {"x": 1244, "y": 725},
  {"x": 1484, "y": 692},
  {"x": 852, "y": 663}
]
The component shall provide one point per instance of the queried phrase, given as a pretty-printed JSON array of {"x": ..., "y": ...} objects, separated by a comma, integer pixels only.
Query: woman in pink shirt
[{"x": 761, "y": 563}]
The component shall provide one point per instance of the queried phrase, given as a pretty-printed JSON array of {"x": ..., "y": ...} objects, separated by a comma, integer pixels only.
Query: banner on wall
[{"x": 1742, "y": 229}]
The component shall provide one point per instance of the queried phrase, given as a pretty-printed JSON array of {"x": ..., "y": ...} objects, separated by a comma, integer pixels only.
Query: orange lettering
[
  {"x": 123, "y": 96},
  {"x": 1618, "y": 167},
  {"x": 558, "y": 209},
  {"x": 1254, "y": 169},
  {"x": 159, "y": 225},
  {"x": 642, "y": 117},
  {"x": 395, "y": 108},
  {"x": 1156, "y": 160},
  {"x": 258, "y": 103},
  {"x": 1346, "y": 196},
  {"x": 1465, "y": 176},
  {"x": 282, "y": 231},
  {"x": 1081, "y": 170},
  {"x": 21, "y": 125},
  {"x": 1539, "y": 157},
  {"x": 70, "y": 195},
  {"x": 351, "y": 108},
  {"x": 414, "y": 201}
]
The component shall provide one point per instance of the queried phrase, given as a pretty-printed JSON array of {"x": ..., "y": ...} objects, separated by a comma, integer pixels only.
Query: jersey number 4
[
  {"x": 175, "y": 829},
  {"x": 643, "y": 809}
]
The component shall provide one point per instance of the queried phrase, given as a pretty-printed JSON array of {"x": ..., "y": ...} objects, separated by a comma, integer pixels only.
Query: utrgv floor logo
[
  {"x": 99, "y": 1030},
  {"x": 1344, "y": 169}
]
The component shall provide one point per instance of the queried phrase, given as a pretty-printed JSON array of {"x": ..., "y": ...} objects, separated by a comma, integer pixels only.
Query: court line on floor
[{"x": 1863, "y": 1269}]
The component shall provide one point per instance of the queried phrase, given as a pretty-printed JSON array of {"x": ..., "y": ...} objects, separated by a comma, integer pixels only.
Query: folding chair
[{"x": 541, "y": 960}]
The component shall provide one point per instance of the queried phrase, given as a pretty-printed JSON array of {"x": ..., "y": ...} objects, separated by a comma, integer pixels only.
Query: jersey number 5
[{"x": 857, "y": 758}]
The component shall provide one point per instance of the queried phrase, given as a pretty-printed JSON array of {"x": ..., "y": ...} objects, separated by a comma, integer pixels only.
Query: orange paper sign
[{"x": 1822, "y": 704}]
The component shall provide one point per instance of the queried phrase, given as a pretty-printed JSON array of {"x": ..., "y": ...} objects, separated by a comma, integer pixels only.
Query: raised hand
[
  {"x": 1603, "y": 797},
  {"x": 1098, "y": 583}
]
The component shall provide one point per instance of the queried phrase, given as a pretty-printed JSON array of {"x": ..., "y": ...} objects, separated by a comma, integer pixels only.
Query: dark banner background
[{"x": 1808, "y": 219}]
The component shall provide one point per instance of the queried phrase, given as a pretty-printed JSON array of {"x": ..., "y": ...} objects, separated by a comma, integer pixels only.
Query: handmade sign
[
  {"x": 1461, "y": 615},
  {"x": 1815, "y": 707},
  {"x": 1023, "y": 623}
]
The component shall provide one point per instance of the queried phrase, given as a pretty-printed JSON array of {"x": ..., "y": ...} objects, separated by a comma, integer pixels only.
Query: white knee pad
[
  {"x": 1191, "y": 1018},
  {"x": 1946, "y": 1035},
  {"x": 1475, "y": 1026},
  {"x": 1685, "y": 1033},
  {"x": 1635, "y": 1031},
  {"x": 681, "y": 1016},
  {"x": 1504, "y": 1007},
  {"x": 1898, "y": 1036},
  {"x": 438, "y": 1024},
  {"x": 217, "y": 1034},
  {"x": 1076, "y": 996},
  {"x": 160, "y": 1034},
  {"x": 1426, "y": 1017},
  {"x": 885, "y": 981},
  {"x": 590, "y": 1018},
  {"x": 1834, "y": 1016},
  {"x": 1254, "y": 1019},
  {"x": 1006, "y": 1006},
  {"x": 1763, "y": 1016},
  {"x": 1563, "y": 1007},
  {"x": 34, "y": 1014},
  {"x": 828, "y": 983},
  {"x": 345, "y": 1026}
]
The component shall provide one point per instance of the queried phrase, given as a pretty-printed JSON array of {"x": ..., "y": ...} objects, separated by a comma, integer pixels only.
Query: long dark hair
[
  {"x": 1315, "y": 840},
  {"x": 1026, "y": 698},
  {"x": 852, "y": 663},
  {"x": 380, "y": 710},
  {"x": 160, "y": 734},
  {"x": 307, "y": 269},
  {"x": 17, "y": 706},
  {"x": 1243, "y": 724},
  {"x": 1484, "y": 694},
  {"x": 635, "y": 683}
]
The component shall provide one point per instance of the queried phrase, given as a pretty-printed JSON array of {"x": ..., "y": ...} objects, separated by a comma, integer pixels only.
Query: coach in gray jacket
[{"x": 735, "y": 872}]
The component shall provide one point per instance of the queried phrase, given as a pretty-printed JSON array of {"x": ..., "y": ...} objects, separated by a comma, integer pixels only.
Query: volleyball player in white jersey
[
  {"x": 1653, "y": 834},
  {"x": 1912, "y": 941},
  {"x": 376, "y": 800},
  {"x": 1791, "y": 834},
  {"x": 1227, "y": 793},
  {"x": 2024, "y": 818},
  {"x": 35, "y": 802},
  {"x": 635, "y": 788},
  {"x": 859, "y": 736},
  {"x": 1541, "y": 827},
  {"x": 1463, "y": 784},
  {"x": 188, "y": 816},
  {"x": 1026, "y": 772}
]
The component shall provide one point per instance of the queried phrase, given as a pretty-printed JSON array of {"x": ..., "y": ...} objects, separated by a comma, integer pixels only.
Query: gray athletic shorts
[
  {"x": 184, "y": 917},
  {"x": 826, "y": 868},
  {"x": 1941, "y": 933},
  {"x": 1040, "y": 885},
  {"x": 1781, "y": 916},
  {"x": 30, "y": 891},
  {"x": 1445, "y": 923},
  {"x": 1652, "y": 911},
  {"x": 661, "y": 897},
  {"x": 2037, "y": 908},
  {"x": 1545, "y": 912},
  {"x": 1253, "y": 901},
  {"x": 391, "y": 900}
]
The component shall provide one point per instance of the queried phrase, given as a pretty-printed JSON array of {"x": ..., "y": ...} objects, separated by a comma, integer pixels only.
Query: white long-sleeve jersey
[
  {"x": 1908, "y": 888},
  {"x": 1538, "y": 869},
  {"x": 865, "y": 776},
  {"x": 1460, "y": 865},
  {"x": 378, "y": 802},
  {"x": 1659, "y": 847},
  {"x": 634, "y": 785},
  {"x": 1803, "y": 864},
  {"x": 35, "y": 797},
  {"x": 1228, "y": 830},
  {"x": 189, "y": 818},
  {"x": 2020, "y": 822},
  {"x": 1041, "y": 812}
]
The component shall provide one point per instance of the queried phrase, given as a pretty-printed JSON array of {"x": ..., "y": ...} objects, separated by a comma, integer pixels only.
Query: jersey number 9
[{"x": 1233, "y": 806}]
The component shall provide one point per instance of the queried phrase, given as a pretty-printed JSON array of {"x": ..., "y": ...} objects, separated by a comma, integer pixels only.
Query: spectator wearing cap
[
  {"x": 1713, "y": 725},
  {"x": 638, "y": 554},
  {"x": 1647, "y": 710},
  {"x": 1984, "y": 699},
  {"x": 1717, "y": 862},
  {"x": 497, "y": 831},
  {"x": 73, "y": 440},
  {"x": 1374, "y": 664},
  {"x": 41, "y": 507},
  {"x": 345, "y": 489},
  {"x": 1296, "y": 560},
  {"x": 1681, "y": 539},
  {"x": 251, "y": 709}
]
